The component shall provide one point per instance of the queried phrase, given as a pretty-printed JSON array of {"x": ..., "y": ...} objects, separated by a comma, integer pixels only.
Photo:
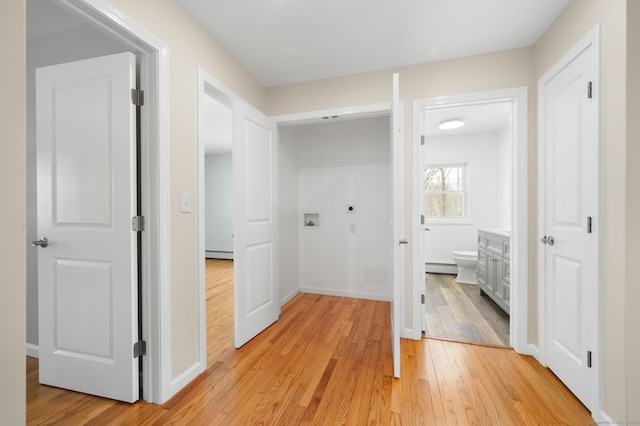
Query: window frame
[{"x": 464, "y": 219}]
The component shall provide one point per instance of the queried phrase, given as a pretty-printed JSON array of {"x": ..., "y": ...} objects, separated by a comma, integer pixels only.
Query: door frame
[
  {"x": 519, "y": 210},
  {"x": 153, "y": 59},
  {"x": 593, "y": 38}
]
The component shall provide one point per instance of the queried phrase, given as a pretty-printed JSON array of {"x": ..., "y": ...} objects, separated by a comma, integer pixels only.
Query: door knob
[
  {"x": 404, "y": 242},
  {"x": 42, "y": 242},
  {"x": 548, "y": 240}
]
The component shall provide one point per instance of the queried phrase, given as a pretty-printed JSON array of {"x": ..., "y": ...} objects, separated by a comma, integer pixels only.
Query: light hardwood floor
[
  {"x": 458, "y": 312},
  {"x": 328, "y": 361}
]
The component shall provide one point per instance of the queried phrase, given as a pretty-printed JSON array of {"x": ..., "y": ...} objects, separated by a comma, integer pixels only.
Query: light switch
[
  {"x": 352, "y": 228},
  {"x": 185, "y": 202}
]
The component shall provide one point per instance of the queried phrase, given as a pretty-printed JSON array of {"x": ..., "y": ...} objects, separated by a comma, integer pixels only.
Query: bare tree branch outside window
[{"x": 444, "y": 190}]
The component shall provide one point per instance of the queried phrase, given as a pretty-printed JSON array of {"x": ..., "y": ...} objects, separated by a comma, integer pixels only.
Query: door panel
[
  {"x": 255, "y": 229},
  {"x": 570, "y": 188},
  {"x": 87, "y": 275}
]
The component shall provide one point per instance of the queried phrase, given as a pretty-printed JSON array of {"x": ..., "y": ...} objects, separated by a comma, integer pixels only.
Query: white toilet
[{"x": 467, "y": 262}]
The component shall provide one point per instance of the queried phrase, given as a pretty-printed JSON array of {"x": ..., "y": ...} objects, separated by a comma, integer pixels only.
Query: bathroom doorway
[{"x": 469, "y": 179}]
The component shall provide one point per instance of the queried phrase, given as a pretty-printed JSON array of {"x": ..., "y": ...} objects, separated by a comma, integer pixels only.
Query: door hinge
[
  {"x": 421, "y": 139},
  {"x": 137, "y": 97},
  {"x": 589, "y": 89},
  {"x": 139, "y": 349},
  {"x": 423, "y": 300},
  {"x": 421, "y": 219},
  {"x": 588, "y": 359},
  {"x": 589, "y": 225},
  {"x": 137, "y": 223}
]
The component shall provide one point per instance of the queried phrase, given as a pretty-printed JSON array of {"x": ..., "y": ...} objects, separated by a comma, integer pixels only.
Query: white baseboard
[
  {"x": 340, "y": 293},
  {"x": 407, "y": 333},
  {"x": 441, "y": 268},
  {"x": 33, "y": 350},
  {"x": 288, "y": 297},
  {"x": 534, "y": 351},
  {"x": 602, "y": 418},
  {"x": 227, "y": 255},
  {"x": 184, "y": 379}
]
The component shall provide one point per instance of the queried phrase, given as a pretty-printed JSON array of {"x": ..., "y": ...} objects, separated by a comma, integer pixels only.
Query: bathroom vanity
[{"x": 494, "y": 265}]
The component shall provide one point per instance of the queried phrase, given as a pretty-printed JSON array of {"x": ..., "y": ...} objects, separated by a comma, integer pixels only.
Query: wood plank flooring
[
  {"x": 458, "y": 312},
  {"x": 328, "y": 361}
]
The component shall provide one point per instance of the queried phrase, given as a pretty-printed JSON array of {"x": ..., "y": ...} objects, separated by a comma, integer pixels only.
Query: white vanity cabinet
[{"x": 494, "y": 266}]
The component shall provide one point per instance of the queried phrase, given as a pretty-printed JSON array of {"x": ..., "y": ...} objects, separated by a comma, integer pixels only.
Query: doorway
[
  {"x": 215, "y": 193},
  {"x": 65, "y": 22},
  {"x": 467, "y": 188},
  {"x": 512, "y": 204}
]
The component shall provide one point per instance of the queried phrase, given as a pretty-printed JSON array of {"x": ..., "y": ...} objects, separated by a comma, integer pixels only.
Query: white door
[
  {"x": 397, "y": 204},
  {"x": 569, "y": 216},
  {"x": 254, "y": 165},
  {"x": 87, "y": 274}
]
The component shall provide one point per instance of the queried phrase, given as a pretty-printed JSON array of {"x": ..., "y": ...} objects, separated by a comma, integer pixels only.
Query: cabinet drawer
[
  {"x": 494, "y": 244},
  {"x": 482, "y": 258},
  {"x": 506, "y": 271},
  {"x": 482, "y": 240},
  {"x": 506, "y": 249}
]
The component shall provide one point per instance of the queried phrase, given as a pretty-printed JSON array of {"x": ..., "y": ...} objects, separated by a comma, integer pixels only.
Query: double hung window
[{"x": 445, "y": 192}]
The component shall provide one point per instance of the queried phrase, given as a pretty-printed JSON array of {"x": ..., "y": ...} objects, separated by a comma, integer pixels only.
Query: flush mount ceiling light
[{"x": 451, "y": 123}]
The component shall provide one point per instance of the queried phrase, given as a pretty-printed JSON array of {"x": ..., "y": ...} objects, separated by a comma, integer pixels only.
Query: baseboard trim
[
  {"x": 534, "y": 351},
  {"x": 440, "y": 268},
  {"x": 340, "y": 293},
  {"x": 33, "y": 350},
  {"x": 184, "y": 379},
  {"x": 210, "y": 254},
  {"x": 288, "y": 297}
]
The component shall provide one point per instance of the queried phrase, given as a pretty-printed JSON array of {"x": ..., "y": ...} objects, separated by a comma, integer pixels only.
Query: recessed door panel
[
  {"x": 82, "y": 148},
  {"x": 259, "y": 276},
  {"x": 83, "y": 311},
  {"x": 258, "y": 170}
]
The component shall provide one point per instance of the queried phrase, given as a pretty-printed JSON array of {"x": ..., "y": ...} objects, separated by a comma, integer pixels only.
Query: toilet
[{"x": 467, "y": 262}]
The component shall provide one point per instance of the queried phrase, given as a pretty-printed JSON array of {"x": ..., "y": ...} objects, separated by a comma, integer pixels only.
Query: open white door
[
  {"x": 255, "y": 228},
  {"x": 87, "y": 273},
  {"x": 397, "y": 215}
]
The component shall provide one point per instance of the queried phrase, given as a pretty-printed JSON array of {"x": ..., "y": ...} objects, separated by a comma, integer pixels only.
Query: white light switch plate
[{"x": 185, "y": 202}]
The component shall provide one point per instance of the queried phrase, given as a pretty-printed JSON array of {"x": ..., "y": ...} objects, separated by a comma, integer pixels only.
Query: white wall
[
  {"x": 288, "y": 179},
  {"x": 489, "y": 185},
  {"x": 78, "y": 43},
  {"x": 218, "y": 183},
  {"x": 341, "y": 163}
]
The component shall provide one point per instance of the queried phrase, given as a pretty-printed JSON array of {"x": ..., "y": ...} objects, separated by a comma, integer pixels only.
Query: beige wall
[
  {"x": 13, "y": 193},
  {"x": 632, "y": 231},
  {"x": 189, "y": 47},
  {"x": 577, "y": 20}
]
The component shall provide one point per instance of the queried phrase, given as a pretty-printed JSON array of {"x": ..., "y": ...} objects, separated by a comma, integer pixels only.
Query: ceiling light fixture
[{"x": 451, "y": 123}]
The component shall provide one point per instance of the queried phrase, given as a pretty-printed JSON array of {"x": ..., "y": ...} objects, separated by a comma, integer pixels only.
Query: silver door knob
[
  {"x": 42, "y": 242},
  {"x": 548, "y": 240}
]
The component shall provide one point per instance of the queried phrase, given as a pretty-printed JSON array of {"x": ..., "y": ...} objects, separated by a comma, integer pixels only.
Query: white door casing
[
  {"x": 397, "y": 216},
  {"x": 569, "y": 211},
  {"x": 86, "y": 165},
  {"x": 255, "y": 223}
]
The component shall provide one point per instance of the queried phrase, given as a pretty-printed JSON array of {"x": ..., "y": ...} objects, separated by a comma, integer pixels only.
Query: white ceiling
[
  {"x": 288, "y": 41},
  {"x": 485, "y": 118}
]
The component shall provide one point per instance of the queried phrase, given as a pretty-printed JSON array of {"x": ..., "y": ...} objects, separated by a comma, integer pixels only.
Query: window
[{"x": 445, "y": 192}]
